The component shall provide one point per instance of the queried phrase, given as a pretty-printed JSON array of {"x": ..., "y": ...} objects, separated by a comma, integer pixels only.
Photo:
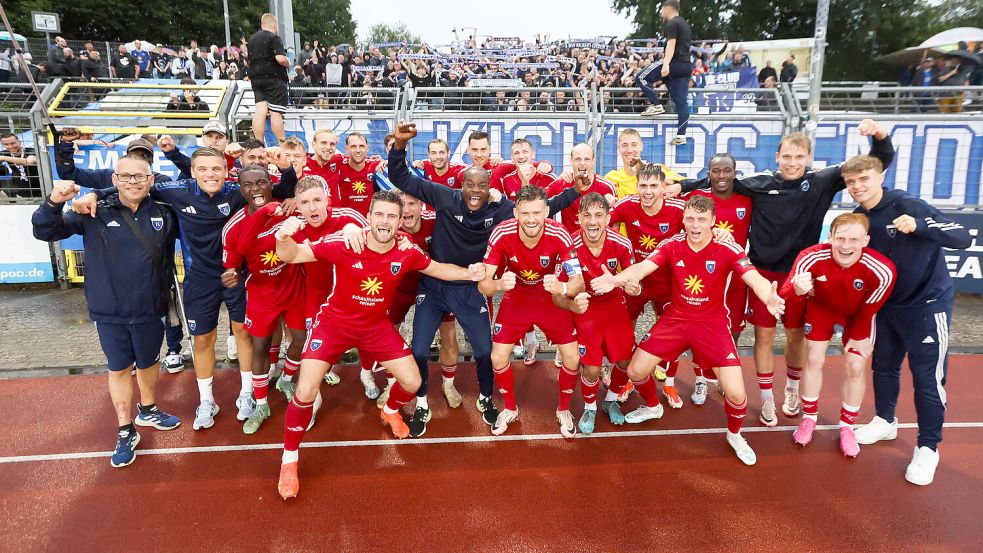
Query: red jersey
[
  {"x": 854, "y": 293},
  {"x": 319, "y": 276},
  {"x": 646, "y": 232},
  {"x": 511, "y": 183},
  {"x": 700, "y": 279},
  {"x": 733, "y": 215},
  {"x": 329, "y": 172},
  {"x": 422, "y": 239},
  {"x": 570, "y": 216},
  {"x": 553, "y": 251},
  {"x": 450, "y": 178},
  {"x": 357, "y": 187},
  {"x": 250, "y": 238},
  {"x": 365, "y": 283},
  {"x": 616, "y": 254}
]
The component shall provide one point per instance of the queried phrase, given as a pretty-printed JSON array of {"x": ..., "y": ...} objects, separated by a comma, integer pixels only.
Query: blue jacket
[
  {"x": 123, "y": 284},
  {"x": 922, "y": 275},
  {"x": 88, "y": 178},
  {"x": 460, "y": 236}
]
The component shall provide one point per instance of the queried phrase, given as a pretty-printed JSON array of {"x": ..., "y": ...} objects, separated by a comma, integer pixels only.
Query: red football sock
[
  {"x": 448, "y": 371},
  {"x": 589, "y": 389},
  {"x": 274, "y": 355},
  {"x": 766, "y": 381},
  {"x": 290, "y": 368},
  {"x": 793, "y": 374},
  {"x": 671, "y": 367},
  {"x": 567, "y": 382},
  {"x": 646, "y": 389},
  {"x": 261, "y": 386},
  {"x": 398, "y": 397},
  {"x": 299, "y": 414},
  {"x": 810, "y": 406},
  {"x": 697, "y": 370},
  {"x": 849, "y": 414},
  {"x": 619, "y": 377},
  {"x": 735, "y": 415},
  {"x": 366, "y": 361},
  {"x": 505, "y": 380}
]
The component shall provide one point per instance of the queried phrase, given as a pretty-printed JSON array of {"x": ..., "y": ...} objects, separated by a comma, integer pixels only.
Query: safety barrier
[{"x": 75, "y": 266}]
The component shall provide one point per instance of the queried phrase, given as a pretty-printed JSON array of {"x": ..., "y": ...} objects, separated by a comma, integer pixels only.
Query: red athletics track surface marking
[{"x": 535, "y": 492}]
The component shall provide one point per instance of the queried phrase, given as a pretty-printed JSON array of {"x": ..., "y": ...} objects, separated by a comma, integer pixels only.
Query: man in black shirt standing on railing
[
  {"x": 268, "y": 65},
  {"x": 675, "y": 70}
]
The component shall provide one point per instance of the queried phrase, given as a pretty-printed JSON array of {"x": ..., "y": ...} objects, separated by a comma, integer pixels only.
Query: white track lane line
[{"x": 433, "y": 441}]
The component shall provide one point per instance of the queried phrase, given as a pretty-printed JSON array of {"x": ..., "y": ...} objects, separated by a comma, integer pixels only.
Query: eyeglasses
[{"x": 138, "y": 178}]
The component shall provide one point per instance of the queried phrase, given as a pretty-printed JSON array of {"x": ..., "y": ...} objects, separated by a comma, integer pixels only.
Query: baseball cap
[
  {"x": 140, "y": 144},
  {"x": 214, "y": 126}
]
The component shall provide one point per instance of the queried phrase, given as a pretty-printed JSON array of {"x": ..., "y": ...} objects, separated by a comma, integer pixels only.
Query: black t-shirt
[
  {"x": 264, "y": 46},
  {"x": 678, "y": 28},
  {"x": 125, "y": 66}
]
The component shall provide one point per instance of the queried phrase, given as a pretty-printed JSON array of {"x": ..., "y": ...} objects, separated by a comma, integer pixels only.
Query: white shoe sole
[{"x": 882, "y": 438}]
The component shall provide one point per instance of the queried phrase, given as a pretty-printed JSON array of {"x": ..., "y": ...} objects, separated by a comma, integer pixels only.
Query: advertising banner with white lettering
[{"x": 22, "y": 258}]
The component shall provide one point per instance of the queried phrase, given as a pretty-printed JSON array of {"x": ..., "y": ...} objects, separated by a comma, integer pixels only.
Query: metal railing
[
  {"x": 919, "y": 100},
  {"x": 518, "y": 102}
]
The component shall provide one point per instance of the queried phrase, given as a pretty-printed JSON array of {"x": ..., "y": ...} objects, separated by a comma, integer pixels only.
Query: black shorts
[
  {"x": 126, "y": 345},
  {"x": 203, "y": 298},
  {"x": 271, "y": 91}
]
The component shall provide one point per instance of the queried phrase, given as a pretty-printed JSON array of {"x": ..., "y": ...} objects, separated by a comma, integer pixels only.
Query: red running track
[{"x": 626, "y": 489}]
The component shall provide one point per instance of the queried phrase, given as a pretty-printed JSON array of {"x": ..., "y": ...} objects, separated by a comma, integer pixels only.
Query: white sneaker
[
  {"x": 791, "y": 406},
  {"x": 518, "y": 352},
  {"x": 331, "y": 379},
  {"x": 231, "y": 348},
  {"x": 205, "y": 415},
  {"x": 876, "y": 430},
  {"x": 505, "y": 418},
  {"x": 654, "y": 109},
  {"x": 921, "y": 470},
  {"x": 678, "y": 141},
  {"x": 742, "y": 449},
  {"x": 246, "y": 405},
  {"x": 768, "y": 417},
  {"x": 567, "y": 428},
  {"x": 174, "y": 363},
  {"x": 368, "y": 382},
  {"x": 645, "y": 413},
  {"x": 530, "y": 349},
  {"x": 699, "y": 396}
]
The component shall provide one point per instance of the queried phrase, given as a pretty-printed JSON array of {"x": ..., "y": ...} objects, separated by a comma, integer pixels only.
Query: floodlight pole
[{"x": 816, "y": 70}]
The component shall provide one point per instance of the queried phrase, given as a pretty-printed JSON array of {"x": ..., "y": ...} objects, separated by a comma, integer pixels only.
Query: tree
[
  {"x": 329, "y": 21},
  {"x": 380, "y": 32}
]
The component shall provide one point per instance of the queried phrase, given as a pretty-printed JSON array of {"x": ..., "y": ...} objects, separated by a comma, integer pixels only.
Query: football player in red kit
[
  {"x": 604, "y": 329},
  {"x": 438, "y": 168},
  {"x": 356, "y": 315},
  {"x": 582, "y": 170},
  {"x": 273, "y": 288},
  {"x": 526, "y": 172},
  {"x": 844, "y": 282},
  {"x": 532, "y": 250},
  {"x": 696, "y": 319}
]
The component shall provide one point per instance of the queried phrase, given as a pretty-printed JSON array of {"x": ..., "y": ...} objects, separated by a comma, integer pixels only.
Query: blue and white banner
[{"x": 23, "y": 258}]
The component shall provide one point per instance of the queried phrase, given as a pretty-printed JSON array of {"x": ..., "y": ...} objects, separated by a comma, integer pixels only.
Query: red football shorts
[
  {"x": 330, "y": 339},
  {"x": 710, "y": 342},
  {"x": 517, "y": 315},
  {"x": 758, "y": 314},
  {"x": 820, "y": 321},
  {"x": 636, "y": 304},
  {"x": 737, "y": 304},
  {"x": 605, "y": 330},
  {"x": 262, "y": 318}
]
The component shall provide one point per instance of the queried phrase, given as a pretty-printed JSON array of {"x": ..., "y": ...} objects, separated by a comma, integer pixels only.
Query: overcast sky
[{"x": 433, "y": 20}]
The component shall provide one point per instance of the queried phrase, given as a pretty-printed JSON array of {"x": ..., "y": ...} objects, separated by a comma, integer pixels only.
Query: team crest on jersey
[
  {"x": 395, "y": 266},
  {"x": 224, "y": 208},
  {"x": 544, "y": 260},
  {"x": 192, "y": 325},
  {"x": 488, "y": 222},
  {"x": 612, "y": 263},
  {"x": 892, "y": 231},
  {"x": 316, "y": 345},
  {"x": 334, "y": 167},
  {"x": 157, "y": 222},
  {"x": 741, "y": 212},
  {"x": 808, "y": 328},
  {"x": 429, "y": 238},
  {"x": 858, "y": 284},
  {"x": 497, "y": 329},
  {"x": 582, "y": 350},
  {"x": 450, "y": 181},
  {"x": 249, "y": 323},
  {"x": 711, "y": 265},
  {"x": 664, "y": 227},
  {"x": 805, "y": 185},
  {"x": 420, "y": 298}
]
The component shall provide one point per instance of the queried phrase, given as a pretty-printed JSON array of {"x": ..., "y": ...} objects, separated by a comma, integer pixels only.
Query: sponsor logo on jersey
[
  {"x": 858, "y": 284},
  {"x": 741, "y": 212},
  {"x": 711, "y": 265},
  {"x": 693, "y": 285},
  {"x": 357, "y": 265},
  {"x": 395, "y": 266},
  {"x": 648, "y": 242},
  {"x": 514, "y": 259},
  {"x": 544, "y": 260},
  {"x": 316, "y": 345},
  {"x": 112, "y": 224},
  {"x": 372, "y": 286},
  {"x": 223, "y": 208},
  {"x": 724, "y": 225},
  {"x": 460, "y": 218},
  {"x": 680, "y": 263},
  {"x": 528, "y": 275},
  {"x": 269, "y": 258},
  {"x": 157, "y": 222},
  {"x": 612, "y": 263},
  {"x": 358, "y": 187}
]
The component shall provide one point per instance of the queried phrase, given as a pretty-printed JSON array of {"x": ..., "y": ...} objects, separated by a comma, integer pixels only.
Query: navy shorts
[
  {"x": 204, "y": 298},
  {"x": 131, "y": 344}
]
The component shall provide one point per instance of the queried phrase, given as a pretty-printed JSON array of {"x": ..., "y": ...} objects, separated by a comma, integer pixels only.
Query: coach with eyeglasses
[{"x": 129, "y": 253}]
